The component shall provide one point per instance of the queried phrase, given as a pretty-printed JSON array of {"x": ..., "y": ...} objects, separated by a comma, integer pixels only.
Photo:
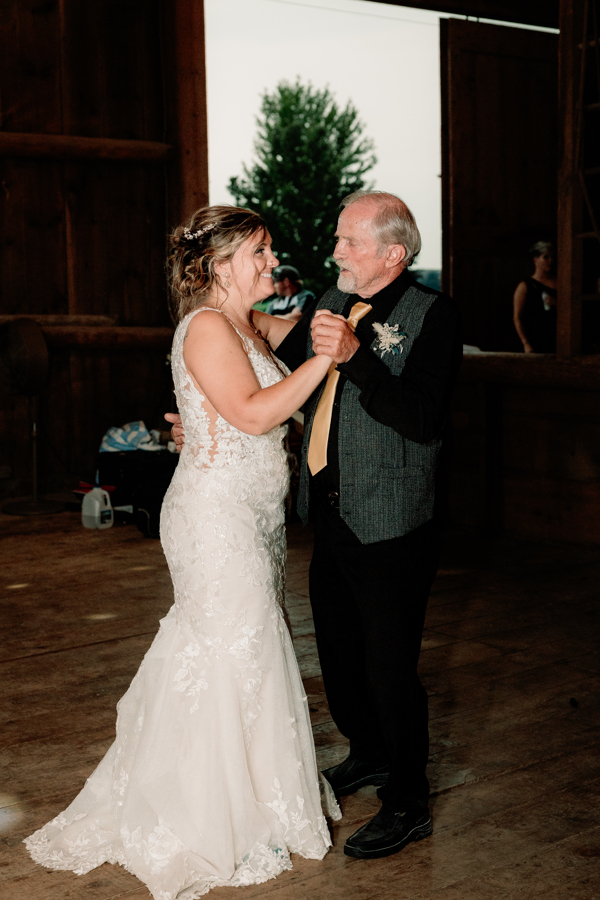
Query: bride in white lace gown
[{"x": 212, "y": 779}]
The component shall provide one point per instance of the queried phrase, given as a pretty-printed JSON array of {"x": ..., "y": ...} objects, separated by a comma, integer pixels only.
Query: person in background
[
  {"x": 291, "y": 299},
  {"x": 534, "y": 302}
]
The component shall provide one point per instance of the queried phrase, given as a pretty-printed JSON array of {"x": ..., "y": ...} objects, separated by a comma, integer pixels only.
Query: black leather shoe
[
  {"x": 388, "y": 832},
  {"x": 351, "y": 774}
]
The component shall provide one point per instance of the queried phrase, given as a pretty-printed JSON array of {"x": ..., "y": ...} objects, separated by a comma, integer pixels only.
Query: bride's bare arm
[
  {"x": 219, "y": 365},
  {"x": 273, "y": 328}
]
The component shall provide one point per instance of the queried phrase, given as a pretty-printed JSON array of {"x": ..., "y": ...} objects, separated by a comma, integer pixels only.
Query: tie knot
[{"x": 359, "y": 310}]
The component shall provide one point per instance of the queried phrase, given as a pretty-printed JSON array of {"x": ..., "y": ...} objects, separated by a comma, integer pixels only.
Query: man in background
[{"x": 291, "y": 301}]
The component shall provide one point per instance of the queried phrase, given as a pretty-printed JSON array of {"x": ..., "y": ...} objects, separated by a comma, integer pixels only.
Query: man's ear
[{"x": 395, "y": 254}]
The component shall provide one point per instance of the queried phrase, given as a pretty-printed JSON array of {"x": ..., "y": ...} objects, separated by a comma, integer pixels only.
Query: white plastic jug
[{"x": 96, "y": 509}]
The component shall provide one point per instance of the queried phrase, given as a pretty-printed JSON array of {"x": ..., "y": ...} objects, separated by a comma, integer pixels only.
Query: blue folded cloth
[{"x": 133, "y": 436}]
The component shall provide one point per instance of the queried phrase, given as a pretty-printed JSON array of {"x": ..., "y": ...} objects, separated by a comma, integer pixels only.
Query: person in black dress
[{"x": 534, "y": 303}]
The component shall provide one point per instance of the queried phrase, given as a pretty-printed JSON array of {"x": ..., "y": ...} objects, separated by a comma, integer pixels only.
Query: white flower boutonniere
[{"x": 390, "y": 339}]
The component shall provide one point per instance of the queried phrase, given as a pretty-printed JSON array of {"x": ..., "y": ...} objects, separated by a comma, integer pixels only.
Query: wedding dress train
[{"x": 212, "y": 779}]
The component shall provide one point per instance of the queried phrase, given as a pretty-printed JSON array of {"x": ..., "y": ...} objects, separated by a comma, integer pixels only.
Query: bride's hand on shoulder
[{"x": 273, "y": 328}]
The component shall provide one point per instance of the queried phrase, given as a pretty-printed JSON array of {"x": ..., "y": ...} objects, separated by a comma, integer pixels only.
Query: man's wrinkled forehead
[{"x": 356, "y": 221}]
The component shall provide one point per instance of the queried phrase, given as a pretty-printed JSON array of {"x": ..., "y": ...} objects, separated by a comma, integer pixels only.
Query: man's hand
[
  {"x": 177, "y": 429},
  {"x": 333, "y": 337}
]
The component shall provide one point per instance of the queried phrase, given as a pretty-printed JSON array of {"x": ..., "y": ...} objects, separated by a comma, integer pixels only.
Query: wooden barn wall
[
  {"x": 526, "y": 428},
  {"x": 85, "y": 237},
  {"x": 82, "y": 238},
  {"x": 527, "y": 457},
  {"x": 499, "y": 114}
]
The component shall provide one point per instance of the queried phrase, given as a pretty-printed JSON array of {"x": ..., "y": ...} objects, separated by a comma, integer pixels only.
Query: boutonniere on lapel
[{"x": 390, "y": 339}]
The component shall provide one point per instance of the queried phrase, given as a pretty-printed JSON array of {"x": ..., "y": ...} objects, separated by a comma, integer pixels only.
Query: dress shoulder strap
[{"x": 245, "y": 341}]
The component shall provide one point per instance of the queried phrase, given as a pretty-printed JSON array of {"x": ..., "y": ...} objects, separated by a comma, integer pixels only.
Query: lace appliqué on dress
[{"x": 212, "y": 779}]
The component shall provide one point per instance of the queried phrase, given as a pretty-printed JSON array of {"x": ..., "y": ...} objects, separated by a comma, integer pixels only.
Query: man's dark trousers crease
[{"x": 369, "y": 621}]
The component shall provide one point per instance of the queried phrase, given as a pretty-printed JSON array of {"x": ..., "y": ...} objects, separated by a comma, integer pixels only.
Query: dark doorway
[{"x": 499, "y": 167}]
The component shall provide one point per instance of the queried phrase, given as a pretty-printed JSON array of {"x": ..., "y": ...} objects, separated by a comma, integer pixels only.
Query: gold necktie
[{"x": 319, "y": 436}]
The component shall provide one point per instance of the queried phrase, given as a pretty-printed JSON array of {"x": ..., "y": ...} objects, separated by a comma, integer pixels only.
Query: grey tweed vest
[{"x": 386, "y": 481}]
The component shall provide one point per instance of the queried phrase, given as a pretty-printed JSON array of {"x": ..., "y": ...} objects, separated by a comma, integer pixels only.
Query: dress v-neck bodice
[{"x": 209, "y": 439}]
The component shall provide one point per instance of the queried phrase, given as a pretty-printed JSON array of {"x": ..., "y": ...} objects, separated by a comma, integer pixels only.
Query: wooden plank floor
[{"x": 510, "y": 659}]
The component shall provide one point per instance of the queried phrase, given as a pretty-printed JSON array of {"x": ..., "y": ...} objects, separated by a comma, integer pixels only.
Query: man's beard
[{"x": 346, "y": 282}]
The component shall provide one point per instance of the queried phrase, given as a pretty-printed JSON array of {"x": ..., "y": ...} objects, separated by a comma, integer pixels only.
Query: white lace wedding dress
[{"x": 212, "y": 779}]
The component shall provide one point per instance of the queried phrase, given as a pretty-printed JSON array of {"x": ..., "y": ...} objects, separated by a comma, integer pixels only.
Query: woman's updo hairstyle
[
  {"x": 541, "y": 247},
  {"x": 211, "y": 236}
]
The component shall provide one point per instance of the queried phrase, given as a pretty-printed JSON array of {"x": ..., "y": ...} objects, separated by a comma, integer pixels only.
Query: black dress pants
[{"x": 369, "y": 603}]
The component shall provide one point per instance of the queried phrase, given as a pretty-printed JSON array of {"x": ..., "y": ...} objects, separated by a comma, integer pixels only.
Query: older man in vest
[{"x": 373, "y": 439}]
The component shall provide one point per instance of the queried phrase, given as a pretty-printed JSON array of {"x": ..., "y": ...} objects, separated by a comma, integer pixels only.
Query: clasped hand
[{"x": 333, "y": 337}]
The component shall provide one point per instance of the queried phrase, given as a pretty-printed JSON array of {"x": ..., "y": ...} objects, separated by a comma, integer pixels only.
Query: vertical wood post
[
  {"x": 569, "y": 247},
  {"x": 66, "y": 90},
  {"x": 447, "y": 242},
  {"x": 185, "y": 99}
]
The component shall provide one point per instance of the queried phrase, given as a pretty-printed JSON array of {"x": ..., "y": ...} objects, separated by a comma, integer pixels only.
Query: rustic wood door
[{"x": 499, "y": 167}]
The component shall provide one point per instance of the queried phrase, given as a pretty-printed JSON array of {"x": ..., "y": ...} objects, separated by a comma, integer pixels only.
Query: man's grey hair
[{"x": 393, "y": 222}]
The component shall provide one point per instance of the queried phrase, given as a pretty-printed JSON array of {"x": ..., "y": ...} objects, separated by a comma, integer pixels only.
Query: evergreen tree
[{"x": 310, "y": 154}]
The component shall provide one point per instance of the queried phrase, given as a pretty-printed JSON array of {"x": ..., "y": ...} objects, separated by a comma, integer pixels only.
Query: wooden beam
[
  {"x": 90, "y": 149},
  {"x": 532, "y": 370},
  {"x": 186, "y": 106},
  {"x": 447, "y": 204},
  {"x": 531, "y": 12},
  {"x": 569, "y": 287},
  {"x": 107, "y": 336},
  {"x": 57, "y": 319}
]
